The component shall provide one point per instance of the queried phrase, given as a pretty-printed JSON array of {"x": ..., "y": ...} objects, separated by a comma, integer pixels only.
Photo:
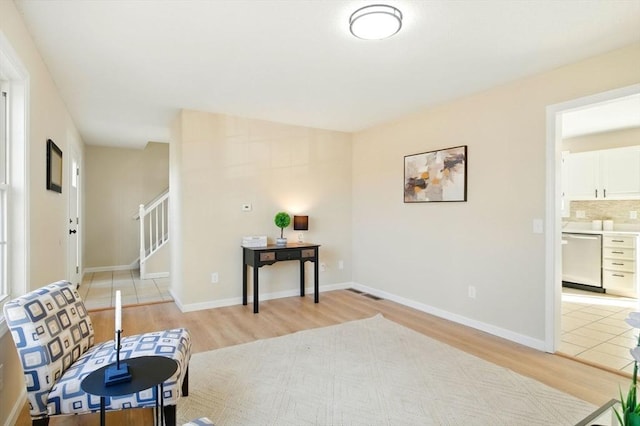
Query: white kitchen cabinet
[
  {"x": 620, "y": 175},
  {"x": 620, "y": 265},
  {"x": 565, "y": 211},
  {"x": 610, "y": 174},
  {"x": 583, "y": 170}
]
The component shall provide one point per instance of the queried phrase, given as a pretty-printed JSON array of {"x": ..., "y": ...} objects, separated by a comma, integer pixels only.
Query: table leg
[
  {"x": 102, "y": 410},
  {"x": 255, "y": 289},
  {"x": 244, "y": 283},
  {"x": 302, "y": 278},
  {"x": 161, "y": 404},
  {"x": 157, "y": 413},
  {"x": 316, "y": 287}
]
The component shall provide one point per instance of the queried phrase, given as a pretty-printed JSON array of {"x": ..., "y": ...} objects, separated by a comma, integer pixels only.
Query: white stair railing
[{"x": 154, "y": 228}]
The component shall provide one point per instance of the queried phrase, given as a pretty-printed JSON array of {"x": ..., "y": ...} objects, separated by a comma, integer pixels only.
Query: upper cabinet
[
  {"x": 610, "y": 174},
  {"x": 583, "y": 170},
  {"x": 621, "y": 172}
]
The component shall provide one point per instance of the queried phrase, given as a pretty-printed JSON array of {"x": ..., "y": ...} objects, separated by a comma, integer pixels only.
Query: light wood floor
[{"x": 217, "y": 328}]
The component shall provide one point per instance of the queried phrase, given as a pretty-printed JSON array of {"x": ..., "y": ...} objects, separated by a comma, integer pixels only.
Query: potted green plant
[
  {"x": 629, "y": 415},
  {"x": 282, "y": 220}
]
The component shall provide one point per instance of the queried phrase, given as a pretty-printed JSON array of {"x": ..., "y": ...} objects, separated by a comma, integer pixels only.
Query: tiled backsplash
[{"x": 618, "y": 211}]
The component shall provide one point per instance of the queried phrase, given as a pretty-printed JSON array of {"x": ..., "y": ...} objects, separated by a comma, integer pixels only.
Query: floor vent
[
  {"x": 354, "y": 290},
  {"x": 371, "y": 296}
]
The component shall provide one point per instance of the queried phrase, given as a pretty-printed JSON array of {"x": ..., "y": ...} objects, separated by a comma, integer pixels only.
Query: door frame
[{"x": 553, "y": 237}]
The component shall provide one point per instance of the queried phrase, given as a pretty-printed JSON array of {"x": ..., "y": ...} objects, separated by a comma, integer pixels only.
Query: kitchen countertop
[{"x": 585, "y": 228}]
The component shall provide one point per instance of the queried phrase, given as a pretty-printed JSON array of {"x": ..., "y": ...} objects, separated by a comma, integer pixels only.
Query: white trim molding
[
  {"x": 553, "y": 234},
  {"x": 478, "y": 325},
  {"x": 4, "y": 328},
  {"x": 111, "y": 268},
  {"x": 153, "y": 275},
  {"x": 12, "y": 418},
  {"x": 190, "y": 307}
]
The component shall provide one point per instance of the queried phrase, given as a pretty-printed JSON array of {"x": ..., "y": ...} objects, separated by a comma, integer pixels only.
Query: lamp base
[{"x": 114, "y": 375}]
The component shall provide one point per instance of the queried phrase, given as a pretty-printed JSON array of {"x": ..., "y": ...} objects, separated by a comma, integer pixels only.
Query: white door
[{"x": 74, "y": 219}]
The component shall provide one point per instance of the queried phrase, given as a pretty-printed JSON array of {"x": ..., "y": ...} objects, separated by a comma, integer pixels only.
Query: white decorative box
[{"x": 256, "y": 241}]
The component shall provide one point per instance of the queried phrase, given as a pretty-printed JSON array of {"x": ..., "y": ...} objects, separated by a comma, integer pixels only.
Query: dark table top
[
  {"x": 288, "y": 246},
  {"x": 146, "y": 372}
]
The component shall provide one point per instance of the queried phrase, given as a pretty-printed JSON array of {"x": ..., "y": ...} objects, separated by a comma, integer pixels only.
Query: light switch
[{"x": 633, "y": 214}]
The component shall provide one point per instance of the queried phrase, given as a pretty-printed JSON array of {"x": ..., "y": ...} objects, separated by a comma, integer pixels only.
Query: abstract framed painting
[
  {"x": 54, "y": 167},
  {"x": 436, "y": 176}
]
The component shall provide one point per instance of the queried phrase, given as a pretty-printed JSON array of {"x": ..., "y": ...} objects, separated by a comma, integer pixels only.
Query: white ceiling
[
  {"x": 621, "y": 113},
  {"x": 125, "y": 68}
]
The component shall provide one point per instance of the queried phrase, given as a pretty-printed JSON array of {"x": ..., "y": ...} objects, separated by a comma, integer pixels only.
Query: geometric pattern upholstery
[
  {"x": 67, "y": 397},
  {"x": 202, "y": 421},
  {"x": 55, "y": 341}
]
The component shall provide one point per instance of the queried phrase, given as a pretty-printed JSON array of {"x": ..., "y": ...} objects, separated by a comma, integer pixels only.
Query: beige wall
[
  {"x": 118, "y": 180},
  {"x": 47, "y": 218},
  {"x": 219, "y": 162},
  {"x": 428, "y": 253},
  {"x": 605, "y": 140},
  {"x": 159, "y": 264},
  {"x": 431, "y": 253}
]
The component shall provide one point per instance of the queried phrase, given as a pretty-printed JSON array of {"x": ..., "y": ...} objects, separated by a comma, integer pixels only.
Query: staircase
[{"x": 154, "y": 230}]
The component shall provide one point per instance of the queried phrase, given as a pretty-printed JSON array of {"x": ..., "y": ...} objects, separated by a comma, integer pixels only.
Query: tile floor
[
  {"x": 98, "y": 289},
  {"x": 593, "y": 329}
]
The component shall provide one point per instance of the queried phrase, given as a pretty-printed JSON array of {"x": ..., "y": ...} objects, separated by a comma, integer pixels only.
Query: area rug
[{"x": 365, "y": 372}]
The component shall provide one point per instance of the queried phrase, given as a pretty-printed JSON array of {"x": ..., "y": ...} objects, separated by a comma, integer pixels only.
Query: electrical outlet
[
  {"x": 340, "y": 264},
  {"x": 214, "y": 278},
  {"x": 633, "y": 215},
  {"x": 472, "y": 292},
  {"x": 323, "y": 267},
  {"x": 246, "y": 207},
  {"x": 538, "y": 227},
  {"x": 580, "y": 214}
]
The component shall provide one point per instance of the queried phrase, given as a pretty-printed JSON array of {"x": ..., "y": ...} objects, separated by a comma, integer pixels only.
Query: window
[
  {"x": 14, "y": 193},
  {"x": 4, "y": 188}
]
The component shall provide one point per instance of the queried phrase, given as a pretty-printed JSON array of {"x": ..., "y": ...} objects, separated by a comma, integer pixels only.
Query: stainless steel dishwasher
[{"x": 582, "y": 261}]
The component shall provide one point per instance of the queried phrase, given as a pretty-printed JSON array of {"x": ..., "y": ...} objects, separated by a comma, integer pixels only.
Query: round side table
[{"x": 146, "y": 372}]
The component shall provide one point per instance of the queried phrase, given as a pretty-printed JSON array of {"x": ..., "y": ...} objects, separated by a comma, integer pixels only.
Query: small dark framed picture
[
  {"x": 54, "y": 167},
  {"x": 436, "y": 176}
]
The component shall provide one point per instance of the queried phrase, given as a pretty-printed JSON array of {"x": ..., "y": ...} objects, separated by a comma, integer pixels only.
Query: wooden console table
[{"x": 257, "y": 257}]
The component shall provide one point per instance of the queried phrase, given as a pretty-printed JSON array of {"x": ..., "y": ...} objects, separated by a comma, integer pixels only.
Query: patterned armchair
[{"x": 55, "y": 342}]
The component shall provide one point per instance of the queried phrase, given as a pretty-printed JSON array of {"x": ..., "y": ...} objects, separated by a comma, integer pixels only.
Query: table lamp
[{"x": 300, "y": 223}]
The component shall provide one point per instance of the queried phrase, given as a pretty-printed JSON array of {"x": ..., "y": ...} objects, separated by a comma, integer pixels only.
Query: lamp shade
[
  {"x": 301, "y": 223},
  {"x": 375, "y": 22}
]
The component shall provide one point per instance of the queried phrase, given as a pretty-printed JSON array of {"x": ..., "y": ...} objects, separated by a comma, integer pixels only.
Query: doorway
[
  {"x": 74, "y": 233},
  {"x": 585, "y": 308}
]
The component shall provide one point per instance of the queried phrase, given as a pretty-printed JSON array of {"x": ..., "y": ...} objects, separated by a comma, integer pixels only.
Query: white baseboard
[
  {"x": 111, "y": 268},
  {"x": 478, "y": 325},
  {"x": 153, "y": 275},
  {"x": 12, "y": 419},
  {"x": 190, "y": 307}
]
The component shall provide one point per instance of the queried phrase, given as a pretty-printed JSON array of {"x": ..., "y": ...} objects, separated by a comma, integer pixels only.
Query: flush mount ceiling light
[{"x": 375, "y": 22}]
